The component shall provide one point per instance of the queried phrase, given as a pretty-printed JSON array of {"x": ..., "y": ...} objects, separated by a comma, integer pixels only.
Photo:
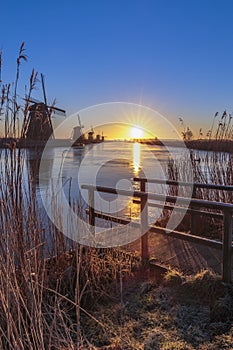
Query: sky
[{"x": 175, "y": 56}]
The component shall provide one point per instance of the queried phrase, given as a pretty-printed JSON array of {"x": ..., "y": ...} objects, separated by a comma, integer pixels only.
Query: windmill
[
  {"x": 90, "y": 135},
  {"x": 37, "y": 124},
  {"x": 77, "y": 131}
]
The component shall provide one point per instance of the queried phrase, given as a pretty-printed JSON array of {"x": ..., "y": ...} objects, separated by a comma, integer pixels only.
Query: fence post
[
  {"x": 91, "y": 209},
  {"x": 194, "y": 216},
  {"x": 227, "y": 246},
  {"x": 144, "y": 222},
  {"x": 143, "y": 185}
]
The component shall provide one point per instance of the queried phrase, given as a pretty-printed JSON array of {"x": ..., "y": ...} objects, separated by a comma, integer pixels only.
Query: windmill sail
[{"x": 37, "y": 124}]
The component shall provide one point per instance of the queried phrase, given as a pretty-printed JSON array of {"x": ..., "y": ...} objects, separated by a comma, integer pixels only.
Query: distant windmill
[
  {"x": 37, "y": 125},
  {"x": 77, "y": 131},
  {"x": 90, "y": 135}
]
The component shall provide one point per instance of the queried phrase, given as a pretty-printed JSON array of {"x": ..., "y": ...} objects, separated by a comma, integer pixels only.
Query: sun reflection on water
[{"x": 136, "y": 157}]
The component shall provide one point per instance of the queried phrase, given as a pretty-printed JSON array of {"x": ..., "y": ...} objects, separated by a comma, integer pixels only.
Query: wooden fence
[{"x": 194, "y": 205}]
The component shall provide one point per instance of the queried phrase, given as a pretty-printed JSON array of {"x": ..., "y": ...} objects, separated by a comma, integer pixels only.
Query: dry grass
[
  {"x": 157, "y": 316},
  {"x": 43, "y": 298},
  {"x": 207, "y": 168}
]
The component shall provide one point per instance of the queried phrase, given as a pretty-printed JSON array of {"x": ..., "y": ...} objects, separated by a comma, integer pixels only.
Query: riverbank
[
  {"x": 32, "y": 144},
  {"x": 203, "y": 145},
  {"x": 211, "y": 145}
]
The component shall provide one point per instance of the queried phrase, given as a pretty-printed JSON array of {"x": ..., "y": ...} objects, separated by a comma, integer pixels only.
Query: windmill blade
[
  {"x": 58, "y": 111},
  {"x": 31, "y": 100},
  {"x": 43, "y": 88},
  {"x": 53, "y": 108},
  {"x": 80, "y": 124}
]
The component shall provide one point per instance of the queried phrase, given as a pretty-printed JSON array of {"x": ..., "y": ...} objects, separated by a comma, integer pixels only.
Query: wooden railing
[
  {"x": 193, "y": 205},
  {"x": 194, "y": 187}
]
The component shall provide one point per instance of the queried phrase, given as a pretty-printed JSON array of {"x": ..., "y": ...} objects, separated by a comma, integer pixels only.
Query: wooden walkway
[
  {"x": 187, "y": 257},
  {"x": 187, "y": 252}
]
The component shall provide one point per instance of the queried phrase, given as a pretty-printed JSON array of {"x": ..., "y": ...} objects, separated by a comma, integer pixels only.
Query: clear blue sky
[{"x": 173, "y": 55}]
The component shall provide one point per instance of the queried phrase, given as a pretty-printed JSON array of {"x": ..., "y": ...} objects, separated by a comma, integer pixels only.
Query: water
[{"x": 108, "y": 164}]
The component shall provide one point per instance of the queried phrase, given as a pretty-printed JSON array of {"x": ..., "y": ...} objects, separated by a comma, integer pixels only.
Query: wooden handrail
[
  {"x": 226, "y": 208},
  {"x": 182, "y": 183},
  {"x": 160, "y": 197}
]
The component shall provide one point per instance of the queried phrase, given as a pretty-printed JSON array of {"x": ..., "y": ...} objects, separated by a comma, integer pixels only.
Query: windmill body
[
  {"x": 77, "y": 133},
  {"x": 39, "y": 123}
]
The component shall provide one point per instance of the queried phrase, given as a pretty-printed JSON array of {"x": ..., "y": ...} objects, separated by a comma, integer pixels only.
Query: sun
[{"x": 136, "y": 133}]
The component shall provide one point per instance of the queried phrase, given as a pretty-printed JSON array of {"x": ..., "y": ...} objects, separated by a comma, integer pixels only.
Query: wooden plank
[
  {"x": 91, "y": 205},
  {"x": 194, "y": 216},
  {"x": 227, "y": 246},
  {"x": 144, "y": 228}
]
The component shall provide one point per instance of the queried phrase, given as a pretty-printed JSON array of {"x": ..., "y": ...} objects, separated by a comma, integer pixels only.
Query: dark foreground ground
[{"x": 168, "y": 312}]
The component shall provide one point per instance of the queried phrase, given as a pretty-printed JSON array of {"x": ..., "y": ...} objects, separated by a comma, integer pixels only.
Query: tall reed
[
  {"x": 208, "y": 167},
  {"x": 47, "y": 282}
]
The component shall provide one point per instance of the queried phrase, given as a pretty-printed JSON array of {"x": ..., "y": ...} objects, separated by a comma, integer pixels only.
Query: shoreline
[
  {"x": 202, "y": 145},
  {"x": 222, "y": 146}
]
